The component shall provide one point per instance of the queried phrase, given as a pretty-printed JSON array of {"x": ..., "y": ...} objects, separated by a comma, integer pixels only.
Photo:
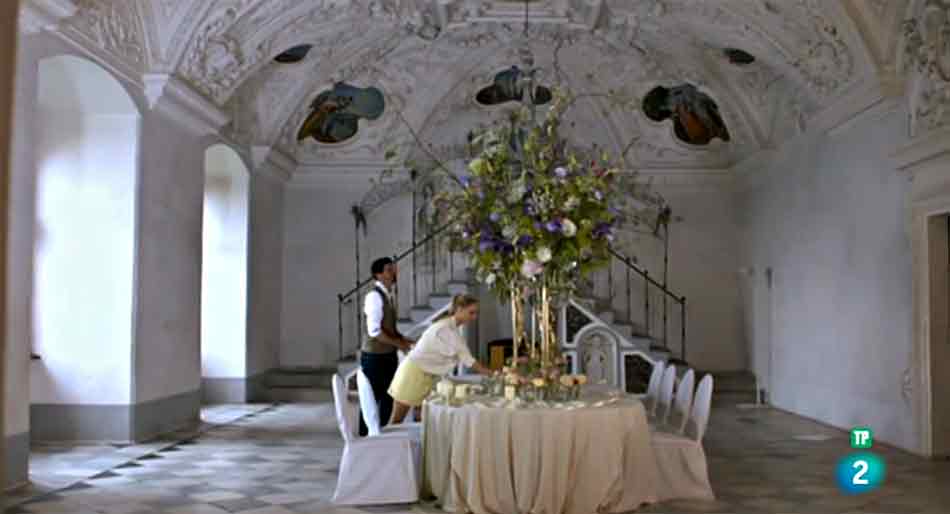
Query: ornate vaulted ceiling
[{"x": 431, "y": 57}]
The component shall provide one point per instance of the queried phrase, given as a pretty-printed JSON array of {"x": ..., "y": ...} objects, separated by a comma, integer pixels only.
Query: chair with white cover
[
  {"x": 682, "y": 403},
  {"x": 370, "y": 410},
  {"x": 376, "y": 470},
  {"x": 665, "y": 397},
  {"x": 680, "y": 459},
  {"x": 651, "y": 397}
]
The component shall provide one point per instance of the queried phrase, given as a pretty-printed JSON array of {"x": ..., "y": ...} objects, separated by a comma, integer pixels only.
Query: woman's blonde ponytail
[{"x": 459, "y": 302}]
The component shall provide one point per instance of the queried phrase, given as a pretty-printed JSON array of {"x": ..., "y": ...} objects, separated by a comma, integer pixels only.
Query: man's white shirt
[{"x": 373, "y": 309}]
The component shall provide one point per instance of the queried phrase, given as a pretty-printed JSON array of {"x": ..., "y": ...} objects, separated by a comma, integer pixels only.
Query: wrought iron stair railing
[
  {"x": 656, "y": 297},
  {"x": 433, "y": 266}
]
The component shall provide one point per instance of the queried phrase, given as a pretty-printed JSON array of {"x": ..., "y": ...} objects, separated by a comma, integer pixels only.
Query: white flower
[
  {"x": 516, "y": 192},
  {"x": 477, "y": 165},
  {"x": 508, "y": 232},
  {"x": 544, "y": 254},
  {"x": 568, "y": 227},
  {"x": 571, "y": 203},
  {"x": 490, "y": 279},
  {"x": 531, "y": 268}
]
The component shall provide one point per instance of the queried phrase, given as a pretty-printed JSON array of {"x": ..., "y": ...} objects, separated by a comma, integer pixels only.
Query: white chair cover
[
  {"x": 373, "y": 470},
  {"x": 653, "y": 389},
  {"x": 370, "y": 410},
  {"x": 682, "y": 403},
  {"x": 681, "y": 461},
  {"x": 699, "y": 415},
  {"x": 665, "y": 398}
]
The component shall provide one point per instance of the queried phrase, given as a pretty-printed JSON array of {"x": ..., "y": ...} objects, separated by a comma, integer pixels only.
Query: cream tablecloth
[{"x": 492, "y": 459}]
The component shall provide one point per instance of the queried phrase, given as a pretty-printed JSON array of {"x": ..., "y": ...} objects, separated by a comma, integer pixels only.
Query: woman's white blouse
[{"x": 441, "y": 348}]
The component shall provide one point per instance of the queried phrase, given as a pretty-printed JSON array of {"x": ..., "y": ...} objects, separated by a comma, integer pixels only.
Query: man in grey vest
[{"x": 378, "y": 356}]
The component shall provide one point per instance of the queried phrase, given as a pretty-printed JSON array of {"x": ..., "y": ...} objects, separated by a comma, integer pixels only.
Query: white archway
[
  {"x": 86, "y": 163},
  {"x": 224, "y": 276}
]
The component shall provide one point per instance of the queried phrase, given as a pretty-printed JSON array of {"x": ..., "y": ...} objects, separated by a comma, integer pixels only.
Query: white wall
[
  {"x": 319, "y": 263},
  {"x": 828, "y": 216},
  {"x": 84, "y": 237},
  {"x": 704, "y": 249},
  {"x": 224, "y": 265}
]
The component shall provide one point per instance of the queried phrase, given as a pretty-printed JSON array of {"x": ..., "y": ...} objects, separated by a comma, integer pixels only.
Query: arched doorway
[
  {"x": 224, "y": 277},
  {"x": 86, "y": 164}
]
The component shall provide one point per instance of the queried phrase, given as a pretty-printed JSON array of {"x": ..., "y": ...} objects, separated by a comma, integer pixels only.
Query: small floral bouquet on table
[{"x": 571, "y": 385}]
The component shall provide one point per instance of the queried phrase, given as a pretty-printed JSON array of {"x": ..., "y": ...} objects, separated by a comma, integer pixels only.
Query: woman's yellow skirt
[{"x": 411, "y": 385}]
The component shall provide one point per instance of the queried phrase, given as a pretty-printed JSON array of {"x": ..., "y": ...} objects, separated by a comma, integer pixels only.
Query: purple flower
[
  {"x": 466, "y": 181},
  {"x": 486, "y": 245},
  {"x": 524, "y": 241},
  {"x": 529, "y": 209},
  {"x": 598, "y": 195},
  {"x": 560, "y": 171},
  {"x": 537, "y": 225},
  {"x": 602, "y": 229},
  {"x": 553, "y": 225},
  {"x": 506, "y": 248},
  {"x": 494, "y": 217}
]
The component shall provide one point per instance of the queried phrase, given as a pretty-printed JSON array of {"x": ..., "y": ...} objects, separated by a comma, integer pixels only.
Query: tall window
[
  {"x": 86, "y": 144},
  {"x": 224, "y": 265}
]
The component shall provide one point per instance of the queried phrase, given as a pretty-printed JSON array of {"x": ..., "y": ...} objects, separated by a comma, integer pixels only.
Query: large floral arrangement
[{"x": 534, "y": 212}]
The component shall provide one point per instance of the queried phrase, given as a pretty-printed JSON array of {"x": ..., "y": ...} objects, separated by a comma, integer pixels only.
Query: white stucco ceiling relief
[{"x": 429, "y": 58}]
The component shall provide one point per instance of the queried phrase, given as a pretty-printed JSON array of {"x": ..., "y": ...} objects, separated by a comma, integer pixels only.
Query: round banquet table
[{"x": 488, "y": 456}]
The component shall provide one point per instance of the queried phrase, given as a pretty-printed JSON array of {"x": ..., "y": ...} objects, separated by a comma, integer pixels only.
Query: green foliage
[{"x": 533, "y": 211}]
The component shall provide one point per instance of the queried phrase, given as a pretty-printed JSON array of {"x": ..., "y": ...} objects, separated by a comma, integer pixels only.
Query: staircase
[
  {"x": 733, "y": 387},
  {"x": 434, "y": 272},
  {"x": 297, "y": 385},
  {"x": 633, "y": 333}
]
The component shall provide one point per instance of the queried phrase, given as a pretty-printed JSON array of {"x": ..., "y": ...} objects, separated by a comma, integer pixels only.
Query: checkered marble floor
[{"x": 283, "y": 460}]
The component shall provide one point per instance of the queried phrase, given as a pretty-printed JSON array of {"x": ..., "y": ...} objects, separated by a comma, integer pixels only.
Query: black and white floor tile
[{"x": 258, "y": 459}]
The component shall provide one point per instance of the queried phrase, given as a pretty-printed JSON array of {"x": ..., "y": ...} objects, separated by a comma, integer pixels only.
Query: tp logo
[{"x": 861, "y": 472}]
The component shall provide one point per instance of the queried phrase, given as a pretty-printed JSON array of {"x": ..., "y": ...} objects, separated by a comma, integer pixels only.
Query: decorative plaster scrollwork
[
  {"x": 114, "y": 27},
  {"x": 827, "y": 63},
  {"x": 216, "y": 60},
  {"x": 927, "y": 56}
]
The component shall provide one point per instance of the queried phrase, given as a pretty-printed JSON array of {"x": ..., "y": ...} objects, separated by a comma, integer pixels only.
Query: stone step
[
  {"x": 404, "y": 325},
  {"x": 624, "y": 329},
  {"x": 458, "y": 287},
  {"x": 419, "y": 313},
  {"x": 439, "y": 300},
  {"x": 299, "y": 377},
  {"x": 298, "y": 394},
  {"x": 734, "y": 382}
]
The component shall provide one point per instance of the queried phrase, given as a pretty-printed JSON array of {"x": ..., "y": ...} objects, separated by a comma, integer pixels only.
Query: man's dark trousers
[{"x": 379, "y": 368}]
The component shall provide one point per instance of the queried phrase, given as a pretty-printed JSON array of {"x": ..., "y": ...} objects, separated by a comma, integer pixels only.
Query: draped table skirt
[{"x": 490, "y": 459}]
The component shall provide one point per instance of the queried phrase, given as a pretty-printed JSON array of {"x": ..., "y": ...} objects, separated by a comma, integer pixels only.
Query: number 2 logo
[{"x": 858, "y": 478}]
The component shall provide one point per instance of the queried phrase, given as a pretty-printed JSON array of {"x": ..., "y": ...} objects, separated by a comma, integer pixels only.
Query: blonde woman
[{"x": 440, "y": 349}]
